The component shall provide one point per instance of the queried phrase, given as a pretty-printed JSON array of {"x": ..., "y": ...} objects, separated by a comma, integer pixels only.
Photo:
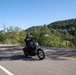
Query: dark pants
[{"x": 28, "y": 49}]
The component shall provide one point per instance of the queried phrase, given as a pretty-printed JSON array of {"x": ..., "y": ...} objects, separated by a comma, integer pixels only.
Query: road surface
[{"x": 58, "y": 61}]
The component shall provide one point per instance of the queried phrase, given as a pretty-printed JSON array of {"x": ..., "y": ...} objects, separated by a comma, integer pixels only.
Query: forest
[{"x": 60, "y": 34}]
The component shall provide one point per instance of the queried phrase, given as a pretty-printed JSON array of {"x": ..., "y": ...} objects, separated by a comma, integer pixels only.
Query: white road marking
[{"x": 5, "y": 70}]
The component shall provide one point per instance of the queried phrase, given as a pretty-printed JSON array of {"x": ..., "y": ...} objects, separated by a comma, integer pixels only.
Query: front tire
[{"x": 41, "y": 54}]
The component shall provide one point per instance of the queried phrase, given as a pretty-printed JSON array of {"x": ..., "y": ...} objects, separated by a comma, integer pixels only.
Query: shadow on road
[
  {"x": 11, "y": 53},
  {"x": 7, "y": 46},
  {"x": 16, "y": 53},
  {"x": 17, "y": 57},
  {"x": 61, "y": 52}
]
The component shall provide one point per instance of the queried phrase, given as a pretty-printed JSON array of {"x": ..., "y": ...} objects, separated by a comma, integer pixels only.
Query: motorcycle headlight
[{"x": 36, "y": 44}]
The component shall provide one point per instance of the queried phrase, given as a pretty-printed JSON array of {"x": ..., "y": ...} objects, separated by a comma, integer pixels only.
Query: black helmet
[{"x": 27, "y": 35}]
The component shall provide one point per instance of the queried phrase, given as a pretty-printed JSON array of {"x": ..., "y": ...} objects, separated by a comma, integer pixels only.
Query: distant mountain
[
  {"x": 65, "y": 30},
  {"x": 65, "y": 24},
  {"x": 31, "y": 28},
  {"x": 69, "y": 25}
]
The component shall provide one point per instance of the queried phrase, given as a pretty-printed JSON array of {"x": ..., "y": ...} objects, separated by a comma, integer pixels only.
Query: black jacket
[{"x": 27, "y": 41}]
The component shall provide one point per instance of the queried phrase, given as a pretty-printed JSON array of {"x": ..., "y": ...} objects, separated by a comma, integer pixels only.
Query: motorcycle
[{"x": 34, "y": 50}]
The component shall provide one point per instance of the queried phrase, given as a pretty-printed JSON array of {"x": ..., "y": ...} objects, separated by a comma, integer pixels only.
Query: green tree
[
  {"x": 22, "y": 35},
  {"x": 2, "y": 37},
  {"x": 44, "y": 30},
  {"x": 74, "y": 40},
  {"x": 54, "y": 41},
  {"x": 35, "y": 32},
  {"x": 15, "y": 35}
]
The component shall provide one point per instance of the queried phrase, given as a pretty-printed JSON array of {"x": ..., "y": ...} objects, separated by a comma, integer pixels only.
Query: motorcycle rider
[
  {"x": 32, "y": 48},
  {"x": 28, "y": 39}
]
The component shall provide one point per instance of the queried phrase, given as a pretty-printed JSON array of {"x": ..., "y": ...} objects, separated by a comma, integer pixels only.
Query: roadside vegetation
[{"x": 60, "y": 34}]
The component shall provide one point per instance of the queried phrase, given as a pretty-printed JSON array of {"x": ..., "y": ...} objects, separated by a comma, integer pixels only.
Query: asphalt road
[{"x": 58, "y": 61}]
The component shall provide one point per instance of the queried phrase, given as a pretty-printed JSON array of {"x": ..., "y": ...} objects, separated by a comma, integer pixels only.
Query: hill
[
  {"x": 29, "y": 30},
  {"x": 65, "y": 30},
  {"x": 69, "y": 25},
  {"x": 65, "y": 25}
]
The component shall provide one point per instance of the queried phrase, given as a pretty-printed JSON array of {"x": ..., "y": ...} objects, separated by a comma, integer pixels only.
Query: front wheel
[{"x": 41, "y": 54}]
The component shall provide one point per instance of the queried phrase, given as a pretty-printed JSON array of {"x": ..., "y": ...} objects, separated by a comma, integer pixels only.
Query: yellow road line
[{"x": 69, "y": 58}]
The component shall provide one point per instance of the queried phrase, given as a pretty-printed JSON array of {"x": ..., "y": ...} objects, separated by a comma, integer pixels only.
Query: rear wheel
[
  {"x": 25, "y": 52},
  {"x": 41, "y": 54}
]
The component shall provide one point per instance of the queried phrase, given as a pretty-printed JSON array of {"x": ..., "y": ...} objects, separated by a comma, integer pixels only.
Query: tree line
[
  {"x": 60, "y": 34},
  {"x": 13, "y": 35}
]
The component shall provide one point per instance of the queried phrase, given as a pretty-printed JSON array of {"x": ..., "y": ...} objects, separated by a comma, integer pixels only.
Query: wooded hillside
[{"x": 60, "y": 34}]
